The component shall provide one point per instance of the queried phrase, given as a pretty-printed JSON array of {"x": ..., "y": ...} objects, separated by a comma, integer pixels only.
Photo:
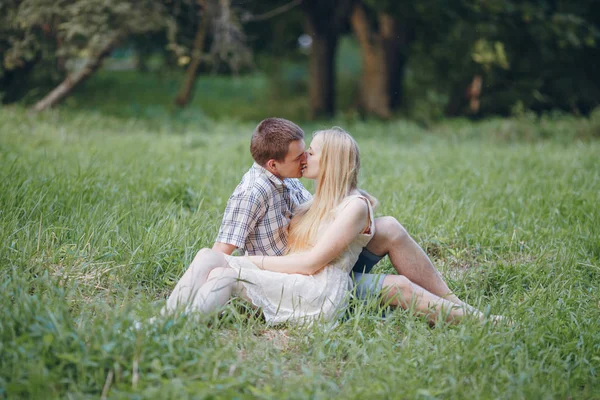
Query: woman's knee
[
  {"x": 210, "y": 257},
  {"x": 204, "y": 262},
  {"x": 222, "y": 272},
  {"x": 205, "y": 253}
]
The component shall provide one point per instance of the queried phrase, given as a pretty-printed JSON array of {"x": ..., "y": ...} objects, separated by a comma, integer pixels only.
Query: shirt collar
[{"x": 269, "y": 174}]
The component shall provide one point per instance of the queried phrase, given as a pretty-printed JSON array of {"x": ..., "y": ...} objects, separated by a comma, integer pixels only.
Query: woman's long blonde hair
[{"x": 338, "y": 176}]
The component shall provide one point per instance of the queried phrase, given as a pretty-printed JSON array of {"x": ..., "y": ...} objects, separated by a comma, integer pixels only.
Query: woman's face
[{"x": 313, "y": 156}]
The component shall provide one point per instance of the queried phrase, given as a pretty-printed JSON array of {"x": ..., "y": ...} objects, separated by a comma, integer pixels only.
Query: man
[{"x": 259, "y": 210}]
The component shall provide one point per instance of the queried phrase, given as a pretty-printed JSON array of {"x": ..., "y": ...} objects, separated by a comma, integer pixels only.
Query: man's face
[{"x": 291, "y": 166}]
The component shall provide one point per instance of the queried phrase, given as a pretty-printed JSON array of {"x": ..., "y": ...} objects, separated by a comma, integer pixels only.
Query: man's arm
[
  {"x": 242, "y": 214},
  {"x": 346, "y": 227},
  {"x": 225, "y": 248}
]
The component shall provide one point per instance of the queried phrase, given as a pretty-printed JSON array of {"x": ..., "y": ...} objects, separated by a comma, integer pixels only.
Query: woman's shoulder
[
  {"x": 356, "y": 194},
  {"x": 355, "y": 202},
  {"x": 357, "y": 207}
]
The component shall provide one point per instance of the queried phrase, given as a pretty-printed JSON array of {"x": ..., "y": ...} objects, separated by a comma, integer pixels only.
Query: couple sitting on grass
[{"x": 305, "y": 256}]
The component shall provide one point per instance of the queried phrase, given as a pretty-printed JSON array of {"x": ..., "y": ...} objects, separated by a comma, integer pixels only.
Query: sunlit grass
[{"x": 99, "y": 217}]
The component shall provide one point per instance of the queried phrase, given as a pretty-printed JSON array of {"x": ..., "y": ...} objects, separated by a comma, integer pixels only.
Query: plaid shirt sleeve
[{"x": 244, "y": 210}]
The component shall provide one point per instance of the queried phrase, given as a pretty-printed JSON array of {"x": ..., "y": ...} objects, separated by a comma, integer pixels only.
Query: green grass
[{"x": 100, "y": 215}]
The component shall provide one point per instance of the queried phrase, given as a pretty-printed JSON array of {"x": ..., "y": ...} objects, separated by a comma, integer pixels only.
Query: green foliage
[
  {"x": 99, "y": 216},
  {"x": 536, "y": 52},
  {"x": 81, "y": 26},
  {"x": 19, "y": 54},
  {"x": 149, "y": 97},
  {"x": 541, "y": 55},
  {"x": 276, "y": 36},
  {"x": 36, "y": 34},
  {"x": 489, "y": 55}
]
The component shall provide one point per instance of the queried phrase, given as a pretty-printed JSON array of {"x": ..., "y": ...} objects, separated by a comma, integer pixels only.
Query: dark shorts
[{"x": 366, "y": 284}]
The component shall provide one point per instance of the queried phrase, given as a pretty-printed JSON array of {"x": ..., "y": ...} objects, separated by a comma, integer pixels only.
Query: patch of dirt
[{"x": 277, "y": 337}]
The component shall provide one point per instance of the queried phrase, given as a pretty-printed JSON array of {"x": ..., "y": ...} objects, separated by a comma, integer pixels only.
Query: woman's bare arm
[{"x": 344, "y": 229}]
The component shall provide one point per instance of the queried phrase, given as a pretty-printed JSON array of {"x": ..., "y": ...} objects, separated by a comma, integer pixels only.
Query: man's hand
[{"x": 224, "y": 248}]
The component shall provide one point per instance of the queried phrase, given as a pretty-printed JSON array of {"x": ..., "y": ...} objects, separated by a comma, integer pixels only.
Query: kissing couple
[{"x": 306, "y": 255}]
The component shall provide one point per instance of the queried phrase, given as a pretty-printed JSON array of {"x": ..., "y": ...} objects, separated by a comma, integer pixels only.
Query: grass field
[{"x": 99, "y": 216}]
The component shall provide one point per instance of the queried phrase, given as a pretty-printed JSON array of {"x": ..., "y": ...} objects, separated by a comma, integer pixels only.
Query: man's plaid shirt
[{"x": 259, "y": 210}]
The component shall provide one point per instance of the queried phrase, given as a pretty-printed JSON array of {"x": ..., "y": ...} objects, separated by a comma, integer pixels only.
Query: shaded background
[{"x": 302, "y": 59}]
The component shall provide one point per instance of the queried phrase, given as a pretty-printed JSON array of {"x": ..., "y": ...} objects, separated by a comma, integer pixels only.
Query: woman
[{"x": 326, "y": 237}]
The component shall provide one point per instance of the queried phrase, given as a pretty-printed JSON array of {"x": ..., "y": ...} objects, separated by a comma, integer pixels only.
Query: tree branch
[
  {"x": 273, "y": 13},
  {"x": 72, "y": 80}
]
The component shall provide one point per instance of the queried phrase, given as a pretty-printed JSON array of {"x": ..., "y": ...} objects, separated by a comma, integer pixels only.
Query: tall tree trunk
[
  {"x": 73, "y": 80},
  {"x": 388, "y": 29},
  {"x": 185, "y": 93},
  {"x": 397, "y": 38},
  {"x": 375, "y": 82},
  {"x": 474, "y": 93},
  {"x": 324, "y": 20},
  {"x": 465, "y": 98},
  {"x": 322, "y": 71}
]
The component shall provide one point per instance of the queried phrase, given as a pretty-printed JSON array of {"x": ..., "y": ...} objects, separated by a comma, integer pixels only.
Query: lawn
[{"x": 100, "y": 215}]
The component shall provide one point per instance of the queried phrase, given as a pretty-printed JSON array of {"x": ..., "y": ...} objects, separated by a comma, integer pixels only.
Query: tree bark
[
  {"x": 322, "y": 69},
  {"x": 324, "y": 20},
  {"x": 185, "y": 93},
  {"x": 388, "y": 28},
  {"x": 73, "y": 80},
  {"x": 375, "y": 83},
  {"x": 384, "y": 54},
  {"x": 396, "y": 38},
  {"x": 474, "y": 93}
]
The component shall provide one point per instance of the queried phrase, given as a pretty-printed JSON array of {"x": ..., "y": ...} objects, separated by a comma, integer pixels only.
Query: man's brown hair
[{"x": 271, "y": 139}]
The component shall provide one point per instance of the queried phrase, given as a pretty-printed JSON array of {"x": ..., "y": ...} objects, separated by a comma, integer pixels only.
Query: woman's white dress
[{"x": 304, "y": 298}]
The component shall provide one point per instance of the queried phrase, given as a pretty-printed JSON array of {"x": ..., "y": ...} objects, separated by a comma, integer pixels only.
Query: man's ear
[{"x": 271, "y": 166}]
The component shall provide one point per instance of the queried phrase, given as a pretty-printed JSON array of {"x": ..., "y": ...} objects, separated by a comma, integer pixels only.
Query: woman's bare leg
[
  {"x": 400, "y": 291},
  {"x": 194, "y": 278},
  {"x": 223, "y": 283}
]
